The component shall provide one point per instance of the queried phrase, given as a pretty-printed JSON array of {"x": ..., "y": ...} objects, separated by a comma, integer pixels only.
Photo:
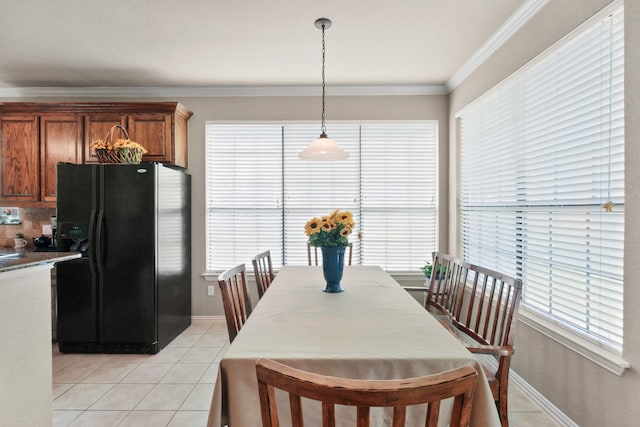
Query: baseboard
[
  {"x": 545, "y": 405},
  {"x": 203, "y": 319}
]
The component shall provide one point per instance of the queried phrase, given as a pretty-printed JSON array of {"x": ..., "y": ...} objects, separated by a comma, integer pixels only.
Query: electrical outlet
[{"x": 210, "y": 290}]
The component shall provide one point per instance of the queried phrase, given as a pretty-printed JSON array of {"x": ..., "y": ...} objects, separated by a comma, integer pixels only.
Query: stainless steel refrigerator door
[{"x": 126, "y": 247}]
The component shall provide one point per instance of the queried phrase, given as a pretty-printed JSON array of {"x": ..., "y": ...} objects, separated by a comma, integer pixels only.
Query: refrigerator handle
[
  {"x": 99, "y": 242},
  {"x": 92, "y": 238}
]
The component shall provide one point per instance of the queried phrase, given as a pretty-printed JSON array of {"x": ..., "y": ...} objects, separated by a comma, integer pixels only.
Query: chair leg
[{"x": 503, "y": 413}]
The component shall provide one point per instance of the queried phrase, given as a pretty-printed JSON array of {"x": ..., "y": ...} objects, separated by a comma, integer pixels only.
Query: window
[
  {"x": 260, "y": 195},
  {"x": 539, "y": 157}
]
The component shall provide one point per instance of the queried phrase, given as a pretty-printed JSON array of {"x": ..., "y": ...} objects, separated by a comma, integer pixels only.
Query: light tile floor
[{"x": 171, "y": 388}]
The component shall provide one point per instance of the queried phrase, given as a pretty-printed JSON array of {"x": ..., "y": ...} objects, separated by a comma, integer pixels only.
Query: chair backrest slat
[
  {"x": 362, "y": 417},
  {"x": 400, "y": 415}
]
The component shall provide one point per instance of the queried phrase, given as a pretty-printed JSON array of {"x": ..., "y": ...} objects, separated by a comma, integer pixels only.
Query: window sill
[
  {"x": 607, "y": 359},
  {"x": 210, "y": 277}
]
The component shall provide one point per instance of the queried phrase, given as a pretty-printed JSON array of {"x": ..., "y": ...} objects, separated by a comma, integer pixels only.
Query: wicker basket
[
  {"x": 106, "y": 156},
  {"x": 110, "y": 156}
]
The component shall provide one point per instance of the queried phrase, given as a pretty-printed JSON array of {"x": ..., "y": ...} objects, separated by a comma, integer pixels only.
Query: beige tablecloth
[{"x": 374, "y": 329}]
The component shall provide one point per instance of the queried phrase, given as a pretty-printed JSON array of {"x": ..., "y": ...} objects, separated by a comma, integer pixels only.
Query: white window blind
[
  {"x": 244, "y": 197},
  {"x": 260, "y": 195},
  {"x": 398, "y": 190},
  {"x": 539, "y": 157}
]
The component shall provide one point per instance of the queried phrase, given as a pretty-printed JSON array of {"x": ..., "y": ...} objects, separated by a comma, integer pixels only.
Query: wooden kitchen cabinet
[
  {"x": 153, "y": 132},
  {"x": 60, "y": 141},
  {"x": 19, "y": 175},
  {"x": 32, "y": 146},
  {"x": 34, "y": 137}
]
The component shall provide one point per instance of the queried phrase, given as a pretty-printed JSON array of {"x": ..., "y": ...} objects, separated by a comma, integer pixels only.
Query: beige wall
[
  {"x": 587, "y": 393},
  {"x": 285, "y": 108}
]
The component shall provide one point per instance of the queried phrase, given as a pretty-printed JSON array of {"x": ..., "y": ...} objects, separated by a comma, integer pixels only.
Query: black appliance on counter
[{"x": 131, "y": 290}]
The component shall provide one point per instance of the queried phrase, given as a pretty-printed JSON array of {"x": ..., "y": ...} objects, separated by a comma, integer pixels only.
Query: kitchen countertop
[{"x": 13, "y": 259}]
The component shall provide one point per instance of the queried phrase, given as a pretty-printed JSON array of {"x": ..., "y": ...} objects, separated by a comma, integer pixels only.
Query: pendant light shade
[{"x": 323, "y": 149}]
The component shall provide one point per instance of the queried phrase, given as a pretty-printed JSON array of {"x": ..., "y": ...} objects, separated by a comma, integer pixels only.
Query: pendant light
[{"x": 323, "y": 149}]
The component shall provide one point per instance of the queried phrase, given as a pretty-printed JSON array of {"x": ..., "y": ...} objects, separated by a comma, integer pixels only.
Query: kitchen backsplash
[{"x": 32, "y": 221}]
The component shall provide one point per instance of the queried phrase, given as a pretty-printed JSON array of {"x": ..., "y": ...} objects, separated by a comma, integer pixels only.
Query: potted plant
[
  {"x": 427, "y": 268},
  {"x": 19, "y": 241}
]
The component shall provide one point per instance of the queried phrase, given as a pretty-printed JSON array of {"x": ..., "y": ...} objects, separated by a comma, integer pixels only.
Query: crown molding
[
  {"x": 511, "y": 26},
  {"x": 219, "y": 91}
]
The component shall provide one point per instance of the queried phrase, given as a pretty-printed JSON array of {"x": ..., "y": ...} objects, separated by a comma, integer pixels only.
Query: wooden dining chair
[
  {"x": 263, "y": 271},
  {"x": 235, "y": 298},
  {"x": 312, "y": 254},
  {"x": 486, "y": 311},
  {"x": 447, "y": 273},
  {"x": 480, "y": 306},
  {"x": 398, "y": 393}
]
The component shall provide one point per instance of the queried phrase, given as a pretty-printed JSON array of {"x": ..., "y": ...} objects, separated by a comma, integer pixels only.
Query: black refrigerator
[{"x": 130, "y": 292}]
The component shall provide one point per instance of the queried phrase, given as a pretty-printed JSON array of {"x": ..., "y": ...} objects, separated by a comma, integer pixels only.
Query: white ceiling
[{"x": 218, "y": 43}]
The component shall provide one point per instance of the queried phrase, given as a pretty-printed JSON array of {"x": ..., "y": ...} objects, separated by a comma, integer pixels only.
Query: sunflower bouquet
[{"x": 331, "y": 230}]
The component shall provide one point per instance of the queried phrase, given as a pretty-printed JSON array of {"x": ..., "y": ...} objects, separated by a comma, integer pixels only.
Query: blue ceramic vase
[{"x": 332, "y": 266}]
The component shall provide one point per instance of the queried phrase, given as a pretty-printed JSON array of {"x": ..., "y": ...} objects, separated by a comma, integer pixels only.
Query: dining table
[{"x": 372, "y": 330}]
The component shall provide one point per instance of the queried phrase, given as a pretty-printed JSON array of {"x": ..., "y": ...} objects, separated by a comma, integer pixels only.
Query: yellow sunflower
[
  {"x": 329, "y": 220},
  {"x": 327, "y": 226},
  {"x": 346, "y": 218},
  {"x": 312, "y": 226},
  {"x": 345, "y": 231}
]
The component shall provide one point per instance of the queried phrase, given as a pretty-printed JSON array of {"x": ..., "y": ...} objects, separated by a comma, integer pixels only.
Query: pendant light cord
[{"x": 323, "y": 128}]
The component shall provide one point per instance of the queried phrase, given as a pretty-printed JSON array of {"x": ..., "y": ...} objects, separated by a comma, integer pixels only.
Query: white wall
[{"x": 587, "y": 393}]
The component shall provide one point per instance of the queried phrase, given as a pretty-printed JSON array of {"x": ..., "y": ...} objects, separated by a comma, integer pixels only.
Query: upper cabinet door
[
  {"x": 97, "y": 126},
  {"x": 60, "y": 141},
  {"x": 153, "y": 132},
  {"x": 19, "y": 158}
]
